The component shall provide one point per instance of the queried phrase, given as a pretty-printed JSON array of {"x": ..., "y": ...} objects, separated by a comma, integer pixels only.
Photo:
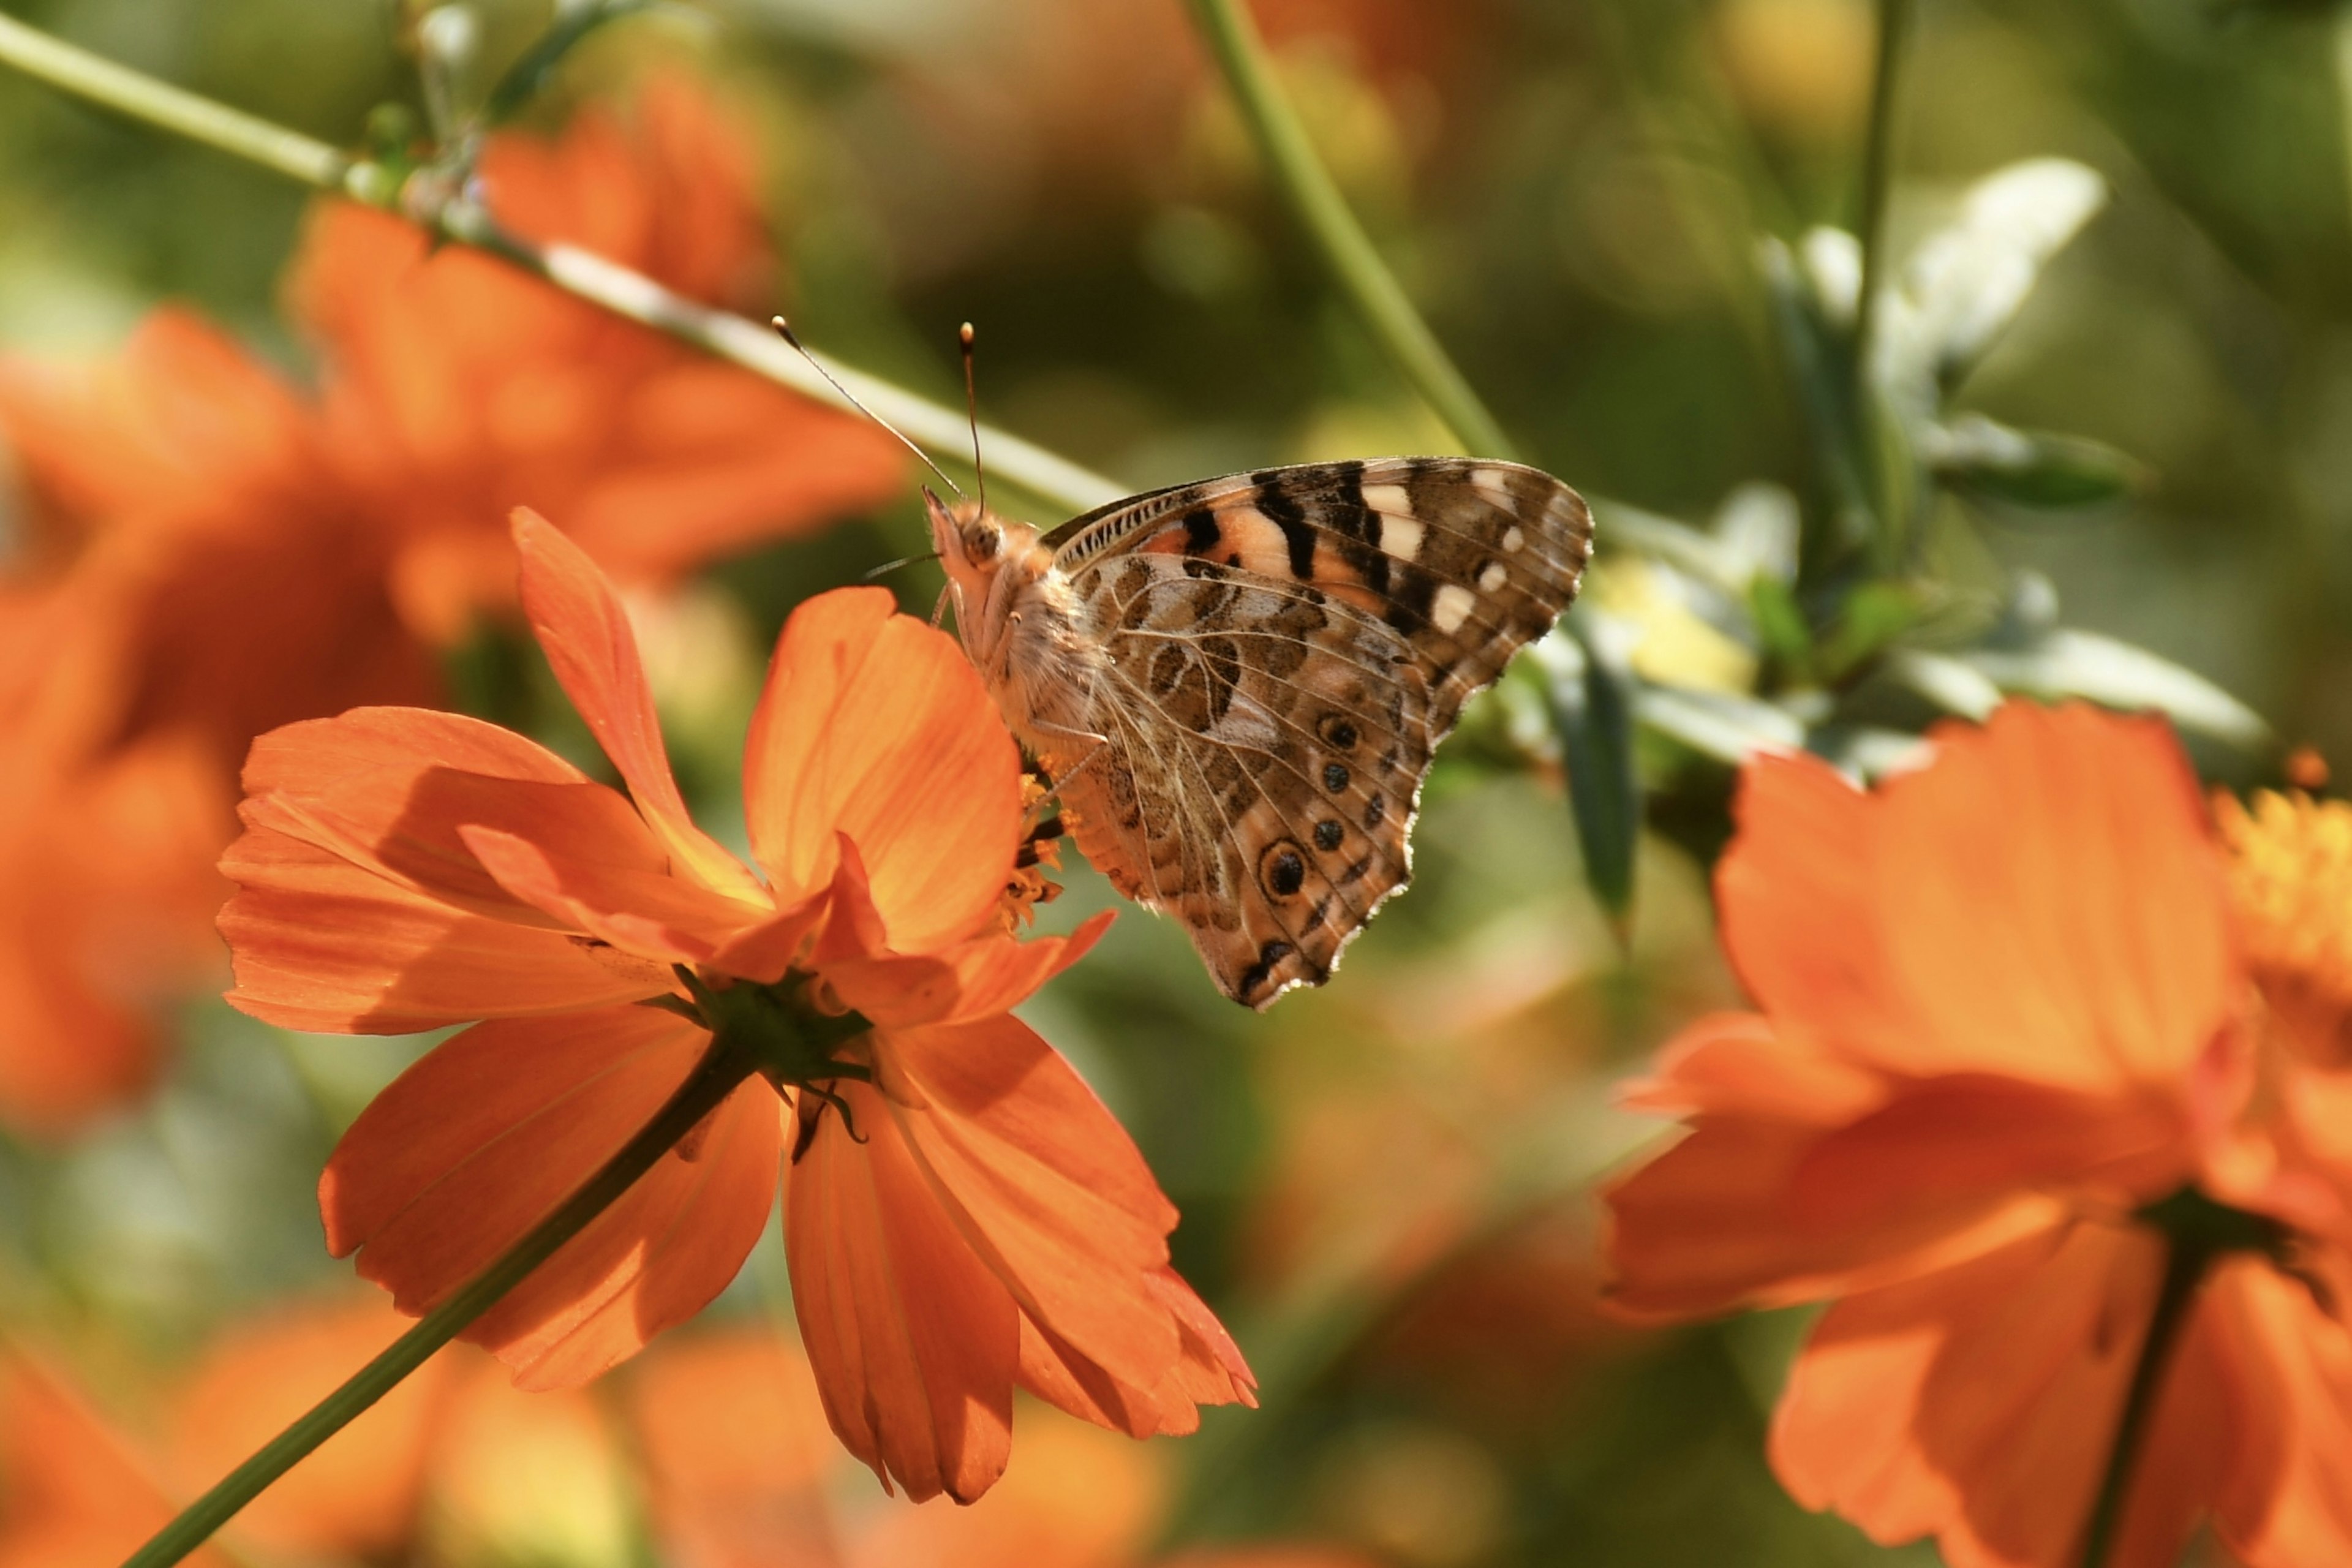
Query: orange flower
[
  {"x": 2007, "y": 1048},
  {"x": 459, "y": 388},
  {"x": 963, "y": 1213},
  {"x": 212, "y": 554}
]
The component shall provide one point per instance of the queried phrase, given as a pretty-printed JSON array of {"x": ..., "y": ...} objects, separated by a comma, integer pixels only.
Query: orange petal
[
  {"x": 2282, "y": 1364},
  {"x": 874, "y": 725},
  {"x": 736, "y": 1455},
  {"x": 1975, "y": 1404},
  {"x": 912, "y": 1339},
  {"x": 1735, "y": 1214},
  {"x": 184, "y": 412},
  {"x": 320, "y": 944},
  {"x": 391, "y": 789},
  {"x": 2043, "y": 900},
  {"x": 973, "y": 980},
  {"x": 470, "y": 1148},
  {"x": 650, "y": 914},
  {"x": 580, "y": 625},
  {"x": 1209, "y": 1369},
  {"x": 78, "y": 1495},
  {"x": 1046, "y": 1186},
  {"x": 358, "y": 1495},
  {"x": 1974, "y": 1135}
]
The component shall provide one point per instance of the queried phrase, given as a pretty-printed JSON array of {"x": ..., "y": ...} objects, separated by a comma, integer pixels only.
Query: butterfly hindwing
[{"x": 1265, "y": 746}]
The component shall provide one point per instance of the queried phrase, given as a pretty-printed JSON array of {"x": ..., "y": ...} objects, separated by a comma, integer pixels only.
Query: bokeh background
[{"x": 1385, "y": 1185}]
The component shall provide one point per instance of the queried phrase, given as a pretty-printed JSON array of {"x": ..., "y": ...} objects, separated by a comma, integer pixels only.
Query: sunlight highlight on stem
[
  {"x": 721, "y": 1072},
  {"x": 603, "y": 283},
  {"x": 1346, "y": 249}
]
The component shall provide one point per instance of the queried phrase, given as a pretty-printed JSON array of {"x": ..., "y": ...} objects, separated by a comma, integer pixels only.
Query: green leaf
[
  {"x": 1992, "y": 462},
  {"x": 526, "y": 78},
  {"x": 1966, "y": 282},
  {"x": 1875, "y": 613},
  {"x": 1590, "y": 688},
  {"x": 1781, "y": 628},
  {"x": 2068, "y": 663}
]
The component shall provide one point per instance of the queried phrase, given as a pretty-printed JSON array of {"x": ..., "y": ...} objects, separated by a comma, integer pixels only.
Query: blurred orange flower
[
  {"x": 968, "y": 1215},
  {"x": 211, "y": 554},
  {"x": 2008, "y": 1049},
  {"x": 459, "y": 387}
]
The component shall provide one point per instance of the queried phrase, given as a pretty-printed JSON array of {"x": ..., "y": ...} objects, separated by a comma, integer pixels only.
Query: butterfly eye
[{"x": 980, "y": 542}]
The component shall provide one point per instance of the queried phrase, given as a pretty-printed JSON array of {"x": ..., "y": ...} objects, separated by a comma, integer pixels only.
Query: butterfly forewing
[{"x": 1285, "y": 650}]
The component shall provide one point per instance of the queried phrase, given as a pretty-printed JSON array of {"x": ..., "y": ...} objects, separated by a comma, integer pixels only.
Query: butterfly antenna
[
  {"x": 890, "y": 566},
  {"x": 971, "y": 412},
  {"x": 784, "y": 330}
]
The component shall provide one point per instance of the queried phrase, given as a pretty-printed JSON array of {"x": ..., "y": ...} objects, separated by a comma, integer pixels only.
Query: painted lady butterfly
[{"x": 1236, "y": 685}]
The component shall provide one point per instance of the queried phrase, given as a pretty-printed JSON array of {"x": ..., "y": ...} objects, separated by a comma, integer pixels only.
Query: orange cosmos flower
[
  {"x": 963, "y": 1215},
  {"x": 459, "y": 388},
  {"x": 2007, "y": 1048},
  {"x": 211, "y": 554}
]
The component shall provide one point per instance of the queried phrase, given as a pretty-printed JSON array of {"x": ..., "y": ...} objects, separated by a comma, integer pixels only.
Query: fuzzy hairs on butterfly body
[{"x": 1021, "y": 626}]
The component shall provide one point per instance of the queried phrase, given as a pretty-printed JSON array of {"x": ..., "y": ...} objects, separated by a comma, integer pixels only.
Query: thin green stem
[
  {"x": 2184, "y": 1267},
  {"x": 1346, "y": 252},
  {"x": 1878, "y": 448},
  {"x": 1895, "y": 17},
  {"x": 430, "y": 201},
  {"x": 143, "y": 98},
  {"x": 2342, "y": 27},
  {"x": 720, "y": 1072}
]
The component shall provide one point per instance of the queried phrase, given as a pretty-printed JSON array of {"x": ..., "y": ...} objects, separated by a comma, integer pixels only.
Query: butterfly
[{"x": 1235, "y": 686}]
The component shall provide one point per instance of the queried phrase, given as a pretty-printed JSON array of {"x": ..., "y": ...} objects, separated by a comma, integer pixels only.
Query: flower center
[
  {"x": 2199, "y": 1227},
  {"x": 788, "y": 1038}
]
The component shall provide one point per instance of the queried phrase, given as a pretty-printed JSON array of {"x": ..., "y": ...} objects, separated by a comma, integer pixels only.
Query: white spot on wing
[
  {"x": 1493, "y": 577},
  {"x": 1452, "y": 607},
  {"x": 1401, "y": 537},
  {"x": 1494, "y": 483},
  {"x": 1388, "y": 499},
  {"x": 1513, "y": 538}
]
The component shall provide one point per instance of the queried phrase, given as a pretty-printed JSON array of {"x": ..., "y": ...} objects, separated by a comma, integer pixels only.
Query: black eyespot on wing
[
  {"x": 1201, "y": 533},
  {"x": 1335, "y": 777},
  {"x": 1336, "y": 732},
  {"x": 1329, "y": 835},
  {"x": 1281, "y": 869}
]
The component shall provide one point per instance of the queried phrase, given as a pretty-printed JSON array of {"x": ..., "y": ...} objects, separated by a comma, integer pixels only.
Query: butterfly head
[{"x": 993, "y": 565}]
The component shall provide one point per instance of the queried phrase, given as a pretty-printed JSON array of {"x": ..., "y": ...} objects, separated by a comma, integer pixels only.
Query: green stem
[
  {"x": 721, "y": 1072},
  {"x": 2342, "y": 43},
  {"x": 1877, "y": 449},
  {"x": 143, "y": 98},
  {"x": 1346, "y": 252},
  {"x": 607, "y": 283},
  {"x": 2184, "y": 1267},
  {"x": 1878, "y": 178}
]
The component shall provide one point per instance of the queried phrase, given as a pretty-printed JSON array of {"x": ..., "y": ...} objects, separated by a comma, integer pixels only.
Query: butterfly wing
[
  {"x": 1467, "y": 560},
  {"x": 1265, "y": 746},
  {"x": 1285, "y": 650}
]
